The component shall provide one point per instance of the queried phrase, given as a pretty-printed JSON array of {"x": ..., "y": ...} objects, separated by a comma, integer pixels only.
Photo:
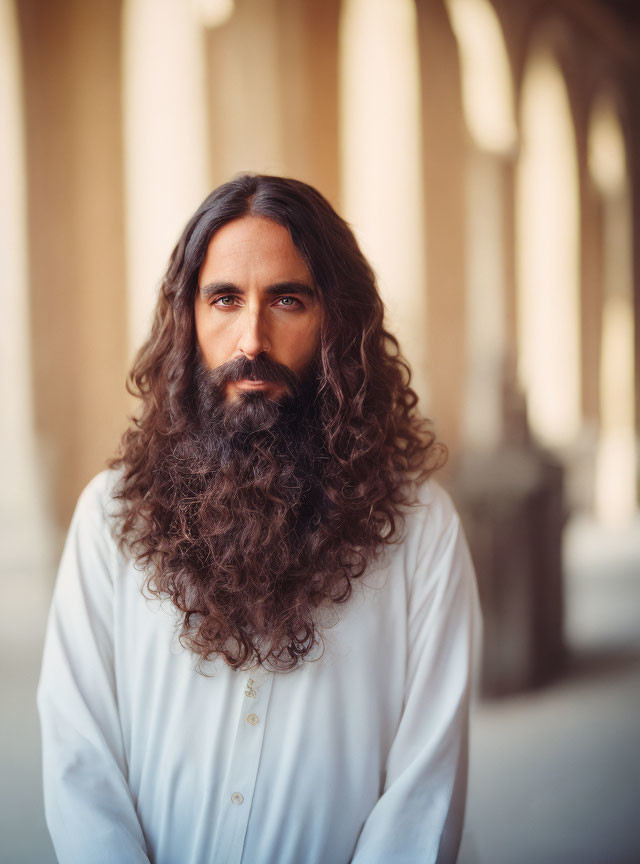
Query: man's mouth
[
  {"x": 250, "y": 383},
  {"x": 263, "y": 377}
]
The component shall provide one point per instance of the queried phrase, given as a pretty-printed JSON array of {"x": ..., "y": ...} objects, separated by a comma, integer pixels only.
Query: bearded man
[{"x": 260, "y": 641}]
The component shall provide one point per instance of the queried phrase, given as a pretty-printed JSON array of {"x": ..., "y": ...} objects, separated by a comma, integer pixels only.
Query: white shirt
[{"x": 359, "y": 755}]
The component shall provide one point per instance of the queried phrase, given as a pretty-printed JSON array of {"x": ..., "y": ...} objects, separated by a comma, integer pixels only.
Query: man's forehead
[{"x": 255, "y": 236}]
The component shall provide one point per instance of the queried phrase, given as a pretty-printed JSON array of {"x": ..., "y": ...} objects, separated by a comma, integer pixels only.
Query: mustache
[{"x": 261, "y": 368}]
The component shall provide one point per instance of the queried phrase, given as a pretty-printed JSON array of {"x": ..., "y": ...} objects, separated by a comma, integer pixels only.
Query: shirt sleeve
[
  {"x": 88, "y": 805},
  {"x": 419, "y": 816}
]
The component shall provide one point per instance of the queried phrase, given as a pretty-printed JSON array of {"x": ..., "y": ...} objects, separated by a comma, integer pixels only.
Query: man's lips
[{"x": 249, "y": 384}]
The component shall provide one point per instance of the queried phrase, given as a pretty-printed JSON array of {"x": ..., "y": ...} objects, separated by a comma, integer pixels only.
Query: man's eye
[
  {"x": 289, "y": 302},
  {"x": 227, "y": 300}
]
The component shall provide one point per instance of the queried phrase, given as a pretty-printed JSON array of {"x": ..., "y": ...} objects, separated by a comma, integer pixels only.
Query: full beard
[{"x": 247, "y": 519}]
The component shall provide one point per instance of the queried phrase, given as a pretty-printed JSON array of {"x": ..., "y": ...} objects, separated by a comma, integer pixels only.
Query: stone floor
[
  {"x": 555, "y": 774},
  {"x": 23, "y": 833}
]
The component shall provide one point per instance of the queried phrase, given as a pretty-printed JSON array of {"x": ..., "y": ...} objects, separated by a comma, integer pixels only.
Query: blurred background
[{"x": 487, "y": 155}]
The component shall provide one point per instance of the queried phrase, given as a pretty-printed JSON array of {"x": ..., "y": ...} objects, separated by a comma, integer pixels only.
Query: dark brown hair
[{"x": 233, "y": 557}]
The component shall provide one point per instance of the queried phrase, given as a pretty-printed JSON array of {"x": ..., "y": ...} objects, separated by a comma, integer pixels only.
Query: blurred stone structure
[
  {"x": 512, "y": 504},
  {"x": 519, "y": 187}
]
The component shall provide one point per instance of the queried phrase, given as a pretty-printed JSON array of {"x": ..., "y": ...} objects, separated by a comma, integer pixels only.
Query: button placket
[
  {"x": 247, "y": 748},
  {"x": 252, "y": 695}
]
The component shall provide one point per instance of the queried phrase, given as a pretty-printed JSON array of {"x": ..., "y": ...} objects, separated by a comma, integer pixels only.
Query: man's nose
[{"x": 254, "y": 338}]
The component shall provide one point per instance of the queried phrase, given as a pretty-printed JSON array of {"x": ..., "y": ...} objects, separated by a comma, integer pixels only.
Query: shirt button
[
  {"x": 237, "y": 798},
  {"x": 252, "y": 719}
]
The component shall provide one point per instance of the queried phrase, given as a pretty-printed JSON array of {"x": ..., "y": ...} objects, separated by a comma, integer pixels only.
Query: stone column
[
  {"x": 443, "y": 162},
  {"x": 165, "y": 142},
  {"x": 616, "y": 463},
  {"x": 25, "y": 542},
  {"x": 486, "y": 313},
  {"x": 71, "y": 61}
]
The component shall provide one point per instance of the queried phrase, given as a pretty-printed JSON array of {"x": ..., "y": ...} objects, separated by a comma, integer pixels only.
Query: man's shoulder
[
  {"x": 432, "y": 529},
  {"x": 90, "y": 554},
  {"x": 96, "y": 501},
  {"x": 432, "y": 509}
]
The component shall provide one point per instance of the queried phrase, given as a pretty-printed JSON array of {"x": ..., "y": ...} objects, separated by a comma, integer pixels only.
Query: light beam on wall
[
  {"x": 548, "y": 256},
  {"x": 487, "y": 92},
  {"x": 607, "y": 160},
  {"x": 381, "y": 160},
  {"x": 213, "y": 13}
]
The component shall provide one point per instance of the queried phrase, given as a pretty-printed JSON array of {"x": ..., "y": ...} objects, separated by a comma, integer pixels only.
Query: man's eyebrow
[
  {"x": 291, "y": 288},
  {"x": 212, "y": 289}
]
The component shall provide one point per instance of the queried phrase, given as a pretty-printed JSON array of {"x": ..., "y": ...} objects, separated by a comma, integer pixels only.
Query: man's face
[{"x": 255, "y": 294}]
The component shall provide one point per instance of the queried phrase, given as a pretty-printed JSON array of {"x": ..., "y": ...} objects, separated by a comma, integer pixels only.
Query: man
[{"x": 260, "y": 641}]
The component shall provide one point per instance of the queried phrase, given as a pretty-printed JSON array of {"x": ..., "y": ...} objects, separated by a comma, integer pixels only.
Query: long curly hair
[{"x": 249, "y": 532}]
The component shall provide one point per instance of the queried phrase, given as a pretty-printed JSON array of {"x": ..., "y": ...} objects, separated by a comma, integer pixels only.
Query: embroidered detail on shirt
[{"x": 250, "y": 690}]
